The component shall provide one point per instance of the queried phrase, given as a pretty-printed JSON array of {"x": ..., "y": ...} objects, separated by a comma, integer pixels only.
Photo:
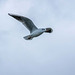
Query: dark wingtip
[
  {"x": 15, "y": 16},
  {"x": 9, "y": 14}
]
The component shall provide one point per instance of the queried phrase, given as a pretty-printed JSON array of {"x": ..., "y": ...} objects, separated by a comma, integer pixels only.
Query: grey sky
[{"x": 48, "y": 54}]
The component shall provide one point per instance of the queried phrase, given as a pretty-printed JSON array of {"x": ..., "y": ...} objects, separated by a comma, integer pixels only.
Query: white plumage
[{"x": 34, "y": 31}]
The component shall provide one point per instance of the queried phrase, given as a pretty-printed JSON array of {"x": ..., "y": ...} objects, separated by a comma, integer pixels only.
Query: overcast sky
[{"x": 48, "y": 54}]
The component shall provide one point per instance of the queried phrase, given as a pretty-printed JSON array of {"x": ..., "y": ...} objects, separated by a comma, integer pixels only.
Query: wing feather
[{"x": 26, "y": 22}]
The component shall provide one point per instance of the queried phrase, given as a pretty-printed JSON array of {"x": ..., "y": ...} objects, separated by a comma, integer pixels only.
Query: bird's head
[{"x": 49, "y": 30}]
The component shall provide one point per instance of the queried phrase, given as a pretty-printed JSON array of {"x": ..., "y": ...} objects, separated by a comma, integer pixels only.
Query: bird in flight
[{"x": 34, "y": 31}]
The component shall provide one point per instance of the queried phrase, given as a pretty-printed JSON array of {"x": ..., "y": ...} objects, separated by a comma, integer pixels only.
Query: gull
[{"x": 34, "y": 31}]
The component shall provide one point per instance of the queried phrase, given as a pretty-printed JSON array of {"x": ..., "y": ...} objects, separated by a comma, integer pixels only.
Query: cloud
[
  {"x": 14, "y": 6},
  {"x": 47, "y": 54}
]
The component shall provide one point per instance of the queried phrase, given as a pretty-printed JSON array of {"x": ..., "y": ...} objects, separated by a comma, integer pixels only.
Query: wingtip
[{"x": 9, "y": 14}]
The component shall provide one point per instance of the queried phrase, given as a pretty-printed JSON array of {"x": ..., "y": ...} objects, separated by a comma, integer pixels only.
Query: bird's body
[
  {"x": 34, "y": 31},
  {"x": 37, "y": 33}
]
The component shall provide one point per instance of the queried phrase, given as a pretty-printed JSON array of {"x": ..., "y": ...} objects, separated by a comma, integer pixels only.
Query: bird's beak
[
  {"x": 49, "y": 30},
  {"x": 15, "y": 16}
]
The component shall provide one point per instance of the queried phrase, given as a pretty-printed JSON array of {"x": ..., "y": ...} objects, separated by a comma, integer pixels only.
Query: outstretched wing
[{"x": 26, "y": 21}]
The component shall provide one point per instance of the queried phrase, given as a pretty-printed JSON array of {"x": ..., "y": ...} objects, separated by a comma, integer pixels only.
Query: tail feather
[{"x": 28, "y": 37}]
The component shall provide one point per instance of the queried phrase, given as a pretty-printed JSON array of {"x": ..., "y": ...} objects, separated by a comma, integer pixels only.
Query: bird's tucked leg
[{"x": 28, "y": 37}]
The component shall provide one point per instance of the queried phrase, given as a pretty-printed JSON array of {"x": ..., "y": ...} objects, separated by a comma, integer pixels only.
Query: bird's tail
[{"x": 28, "y": 37}]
